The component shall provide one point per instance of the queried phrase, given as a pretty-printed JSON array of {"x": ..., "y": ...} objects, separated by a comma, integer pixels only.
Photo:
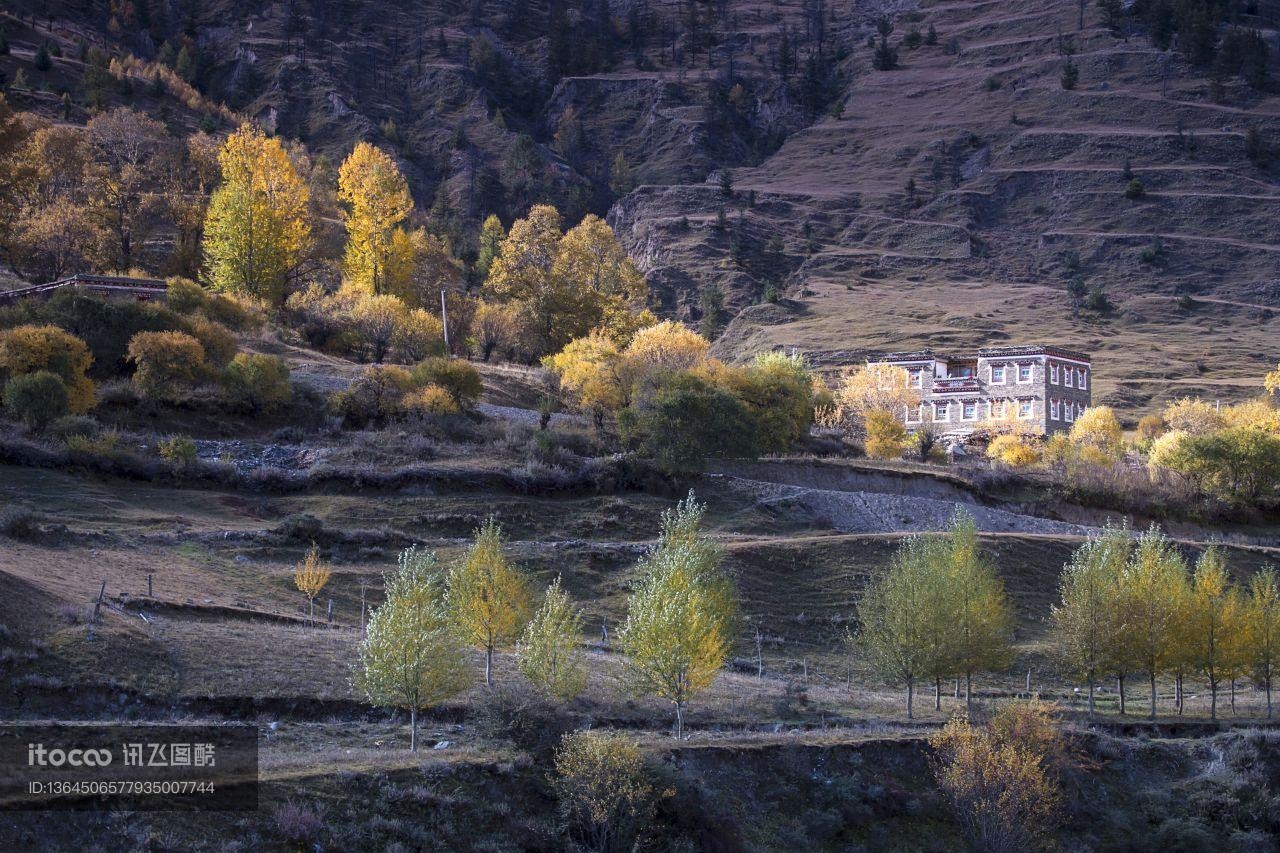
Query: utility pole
[{"x": 444, "y": 320}]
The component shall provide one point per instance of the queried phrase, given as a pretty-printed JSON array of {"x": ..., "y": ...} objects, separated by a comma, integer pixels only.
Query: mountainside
[{"x": 966, "y": 196}]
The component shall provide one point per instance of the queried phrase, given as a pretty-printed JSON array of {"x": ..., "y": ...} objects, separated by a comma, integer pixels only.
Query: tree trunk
[
  {"x": 1177, "y": 686},
  {"x": 1213, "y": 699},
  {"x": 413, "y": 729},
  {"x": 1152, "y": 715},
  {"x": 679, "y": 722},
  {"x": 1268, "y": 683},
  {"x": 910, "y": 697},
  {"x": 1091, "y": 695},
  {"x": 488, "y": 666},
  {"x": 957, "y": 696},
  {"x": 1120, "y": 687},
  {"x": 311, "y": 615},
  {"x": 1233, "y": 697},
  {"x": 937, "y": 694},
  {"x": 968, "y": 696}
]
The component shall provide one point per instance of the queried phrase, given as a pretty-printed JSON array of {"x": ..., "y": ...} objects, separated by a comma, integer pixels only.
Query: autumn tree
[
  {"x": 903, "y": 613},
  {"x": 876, "y": 387},
  {"x": 1192, "y": 417},
  {"x": 979, "y": 634},
  {"x": 1153, "y": 584},
  {"x": 377, "y": 201},
  {"x": 566, "y": 284},
  {"x": 1097, "y": 436},
  {"x": 1088, "y": 622},
  {"x": 548, "y": 652},
  {"x": 777, "y": 390},
  {"x": 488, "y": 597},
  {"x": 682, "y": 613},
  {"x": 129, "y": 154},
  {"x": 496, "y": 329},
  {"x": 1263, "y": 614},
  {"x": 310, "y": 578},
  {"x": 411, "y": 657},
  {"x": 376, "y": 319},
  {"x": 1272, "y": 382},
  {"x": 886, "y": 437},
  {"x": 257, "y": 228}
]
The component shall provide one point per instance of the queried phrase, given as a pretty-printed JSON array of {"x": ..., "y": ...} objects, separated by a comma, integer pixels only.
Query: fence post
[
  {"x": 97, "y": 605},
  {"x": 149, "y": 595}
]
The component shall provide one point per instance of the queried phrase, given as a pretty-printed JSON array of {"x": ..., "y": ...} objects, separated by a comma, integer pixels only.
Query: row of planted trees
[
  {"x": 682, "y": 617},
  {"x": 1131, "y": 607}
]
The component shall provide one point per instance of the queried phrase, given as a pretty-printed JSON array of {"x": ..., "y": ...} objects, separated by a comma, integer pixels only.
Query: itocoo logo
[{"x": 39, "y": 756}]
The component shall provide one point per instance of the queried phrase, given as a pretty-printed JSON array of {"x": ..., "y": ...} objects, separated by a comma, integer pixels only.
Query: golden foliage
[
  {"x": 29, "y": 349},
  {"x": 604, "y": 788},
  {"x": 875, "y": 387},
  {"x": 1097, "y": 436},
  {"x": 168, "y": 363},
  {"x": 310, "y": 577},
  {"x": 886, "y": 436},
  {"x": 1013, "y": 450},
  {"x": 430, "y": 400},
  {"x": 1000, "y": 789},
  {"x": 377, "y": 201},
  {"x": 257, "y": 228},
  {"x": 488, "y": 597},
  {"x": 1193, "y": 417}
]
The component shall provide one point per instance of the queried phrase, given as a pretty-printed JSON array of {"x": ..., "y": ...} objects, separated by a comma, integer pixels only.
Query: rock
[{"x": 443, "y": 744}]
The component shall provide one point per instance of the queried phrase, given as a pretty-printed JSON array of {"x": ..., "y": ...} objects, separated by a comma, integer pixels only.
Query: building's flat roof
[{"x": 983, "y": 352}]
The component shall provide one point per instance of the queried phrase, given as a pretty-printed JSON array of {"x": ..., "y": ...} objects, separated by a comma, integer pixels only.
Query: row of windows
[
  {"x": 1068, "y": 376},
  {"x": 1065, "y": 410},
  {"x": 1059, "y": 374},
  {"x": 969, "y": 410}
]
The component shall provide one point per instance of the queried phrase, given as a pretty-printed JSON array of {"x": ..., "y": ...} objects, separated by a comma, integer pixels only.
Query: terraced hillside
[{"x": 1019, "y": 186}]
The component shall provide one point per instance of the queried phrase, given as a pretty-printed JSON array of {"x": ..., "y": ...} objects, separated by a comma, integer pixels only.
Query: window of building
[
  {"x": 1024, "y": 373},
  {"x": 1069, "y": 411},
  {"x": 1024, "y": 409},
  {"x": 997, "y": 408},
  {"x": 997, "y": 374},
  {"x": 915, "y": 414},
  {"x": 917, "y": 378},
  {"x": 969, "y": 411},
  {"x": 1069, "y": 377},
  {"x": 1081, "y": 376},
  {"x": 1055, "y": 408},
  {"x": 942, "y": 411},
  {"x": 1053, "y": 373}
]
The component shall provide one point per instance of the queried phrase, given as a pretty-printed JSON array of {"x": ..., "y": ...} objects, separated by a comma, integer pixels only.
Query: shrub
[
  {"x": 430, "y": 400},
  {"x": 886, "y": 436},
  {"x": 19, "y": 523},
  {"x": 1150, "y": 427},
  {"x": 184, "y": 295},
  {"x": 683, "y": 419},
  {"x": 29, "y": 349},
  {"x": 1098, "y": 432},
  {"x": 376, "y": 397},
  {"x": 168, "y": 363},
  {"x": 1135, "y": 190},
  {"x": 458, "y": 377},
  {"x": 999, "y": 790},
  {"x": 298, "y": 824},
  {"x": 1070, "y": 76},
  {"x": 36, "y": 398},
  {"x": 606, "y": 798},
  {"x": 219, "y": 344},
  {"x": 69, "y": 425},
  {"x": 1013, "y": 450},
  {"x": 107, "y": 325},
  {"x": 257, "y": 382},
  {"x": 418, "y": 335},
  {"x": 178, "y": 450}
]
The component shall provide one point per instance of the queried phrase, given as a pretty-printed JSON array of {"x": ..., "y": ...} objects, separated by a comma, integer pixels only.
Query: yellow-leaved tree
[
  {"x": 1153, "y": 588},
  {"x": 1263, "y": 613},
  {"x": 874, "y": 387},
  {"x": 488, "y": 597},
  {"x": 1272, "y": 382},
  {"x": 682, "y": 616},
  {"x": 566, "y": 284},
  {"x": 377, "y": 202},
  {"x": 1097, "y": 436},
  {"x": 30, "y": 349},
  {"x": 257, "y": 228},
  {"x": 310, "y": 577},
  {"x": 548, "y": 653},
  {"x": 411, "y": 657}
]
